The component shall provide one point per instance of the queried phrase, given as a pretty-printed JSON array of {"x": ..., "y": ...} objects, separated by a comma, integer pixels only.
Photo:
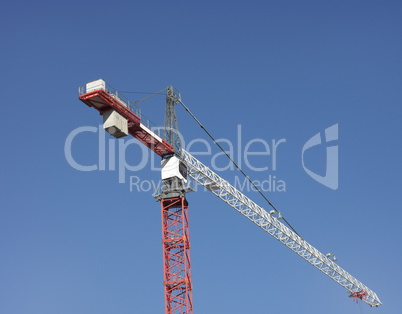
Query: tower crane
[{"x": 121, "y": 118}]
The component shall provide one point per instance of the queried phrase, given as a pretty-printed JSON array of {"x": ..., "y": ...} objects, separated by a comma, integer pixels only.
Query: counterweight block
[{"x": 115, "y": 124}]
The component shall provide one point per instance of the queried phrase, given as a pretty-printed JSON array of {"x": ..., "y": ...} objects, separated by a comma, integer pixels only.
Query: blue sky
[{"x": 81, "y": 242}]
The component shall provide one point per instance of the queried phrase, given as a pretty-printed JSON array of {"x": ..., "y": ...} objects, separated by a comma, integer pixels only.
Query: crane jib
[{"x": 236, "y": 199}]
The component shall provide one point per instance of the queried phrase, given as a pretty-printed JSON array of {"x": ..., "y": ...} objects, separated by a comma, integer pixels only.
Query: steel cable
[{"x": 236, "y": 165}]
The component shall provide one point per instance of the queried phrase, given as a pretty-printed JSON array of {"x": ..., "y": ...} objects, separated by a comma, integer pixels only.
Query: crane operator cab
[{"x": 174, "y": 176}]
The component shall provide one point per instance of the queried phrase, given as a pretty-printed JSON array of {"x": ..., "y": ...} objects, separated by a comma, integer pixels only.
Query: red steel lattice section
[{"x": 176, "y": 256}]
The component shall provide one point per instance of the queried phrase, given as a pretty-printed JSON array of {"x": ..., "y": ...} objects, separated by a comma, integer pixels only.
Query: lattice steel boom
[{"x": 230, "y": 195}]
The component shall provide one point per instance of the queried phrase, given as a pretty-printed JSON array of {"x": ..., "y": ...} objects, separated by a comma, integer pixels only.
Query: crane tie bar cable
[
  {"x": 142, "y": 100},
  {"x": 235, "y": 164}
]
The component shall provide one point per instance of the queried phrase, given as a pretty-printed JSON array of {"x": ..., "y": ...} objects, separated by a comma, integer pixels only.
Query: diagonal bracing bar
[{"x": 230, "y": 195}]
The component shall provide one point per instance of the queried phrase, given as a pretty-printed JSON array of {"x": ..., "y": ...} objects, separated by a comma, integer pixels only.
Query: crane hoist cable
[{"x": 236, "y": 165}]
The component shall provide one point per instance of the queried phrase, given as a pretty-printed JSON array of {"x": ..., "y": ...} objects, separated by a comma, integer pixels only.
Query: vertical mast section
[
  {"x": 175, "y": 225},
  {"x": 176, "y": 256}
]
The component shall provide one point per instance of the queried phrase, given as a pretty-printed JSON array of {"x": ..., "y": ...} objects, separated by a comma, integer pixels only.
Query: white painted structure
[
  {"x": 172, "y": 167},
  {"x": 95, "y": 85}
]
